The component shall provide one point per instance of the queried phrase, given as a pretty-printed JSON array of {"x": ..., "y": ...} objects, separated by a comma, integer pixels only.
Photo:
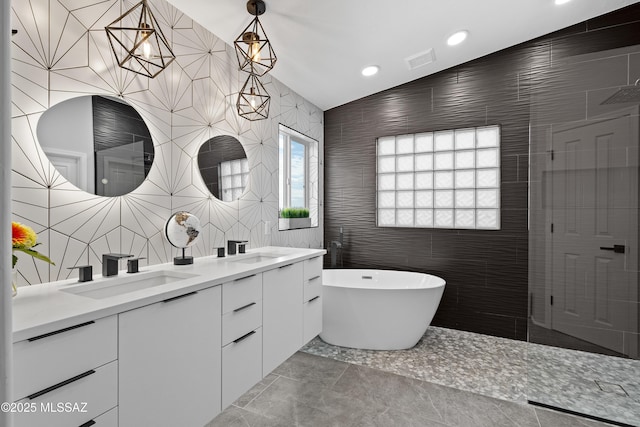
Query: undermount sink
[
  {"x": 254, "y": 258},
  {"x": 111, "y": 287}
]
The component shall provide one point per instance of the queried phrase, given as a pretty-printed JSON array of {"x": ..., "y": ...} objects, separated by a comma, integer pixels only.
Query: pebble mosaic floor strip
[{"x": 602, "y": 386}]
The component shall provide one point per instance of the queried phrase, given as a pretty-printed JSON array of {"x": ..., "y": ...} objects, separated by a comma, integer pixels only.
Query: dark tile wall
[
  {"x": 117, "y": 124},
  {"x": 486, "y": 271}
]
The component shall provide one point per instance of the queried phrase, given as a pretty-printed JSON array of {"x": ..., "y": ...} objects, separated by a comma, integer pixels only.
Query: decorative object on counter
[
  {"x": 291, "y": 218},
  {"x": 182, "y": 230},
  {"x": 138, "y": 43},
  {"x": 85, "y": 272},
  {"x": 253, "y": 48},
  {"x": 23, "y": 239}
]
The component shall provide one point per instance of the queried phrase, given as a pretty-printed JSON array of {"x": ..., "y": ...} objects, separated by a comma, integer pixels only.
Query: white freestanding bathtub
[{"x": 378, "y": 309}]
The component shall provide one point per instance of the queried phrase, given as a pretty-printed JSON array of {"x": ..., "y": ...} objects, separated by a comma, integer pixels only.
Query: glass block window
[
  {"x": 444, "y": 179},
  {"x": 232, "y": 178}
]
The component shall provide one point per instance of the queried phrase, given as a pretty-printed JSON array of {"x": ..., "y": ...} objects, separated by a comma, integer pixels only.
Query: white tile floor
[{"x": 603, "y": 386}]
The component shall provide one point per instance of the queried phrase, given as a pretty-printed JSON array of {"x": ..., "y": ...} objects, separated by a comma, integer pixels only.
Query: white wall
[{"x": 188, "y": 103}]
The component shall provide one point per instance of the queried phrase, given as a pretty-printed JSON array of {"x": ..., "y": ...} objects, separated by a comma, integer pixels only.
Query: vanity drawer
[
  {"x": 312, "y": 315},
  {"x": 82, "y": 400},
  {"x": 48, "y": 359},
  {"x": 242, "y": 363},
  {"x": 312, "y": 288},
  {"x": 312, "y": 268},
  {"x": 108, "y": 419},
  {"x": 237, "y": 323},
  {"x": 241, "y": 292}
]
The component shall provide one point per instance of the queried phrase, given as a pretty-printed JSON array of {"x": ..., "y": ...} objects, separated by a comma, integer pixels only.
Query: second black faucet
[{"x": 232, "y": 244}]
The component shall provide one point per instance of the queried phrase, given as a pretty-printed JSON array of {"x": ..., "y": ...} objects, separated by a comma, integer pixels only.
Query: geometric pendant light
[
  {"x": 253, "y": 100},
  {"x": 138, "y": 43},
  {"x": 253, "y": 48}
]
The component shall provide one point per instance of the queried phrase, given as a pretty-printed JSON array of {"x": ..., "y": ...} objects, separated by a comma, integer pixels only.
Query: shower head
[{"x": 625, "y": 95}]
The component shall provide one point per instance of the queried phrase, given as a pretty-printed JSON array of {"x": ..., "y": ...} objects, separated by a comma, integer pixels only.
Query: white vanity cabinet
[
  {"x": 241, "y": 336},
  {"x": 169, "y": 361},
  {"x": 163, "y": 360},
  {"x": 312, "y": 299},
  {"x": 282, "y": 294},
  {"x": 108, "y": 419},
  {"x": 67, "y": 377}
]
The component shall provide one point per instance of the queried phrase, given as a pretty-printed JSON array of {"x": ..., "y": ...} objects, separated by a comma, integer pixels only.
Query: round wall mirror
[
  {"x": 224, "y": 167},
  {"x": 99, "y": 144}
]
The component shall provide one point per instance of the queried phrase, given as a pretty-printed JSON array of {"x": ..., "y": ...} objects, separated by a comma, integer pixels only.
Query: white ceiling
[{"x": 322, "y": 45}]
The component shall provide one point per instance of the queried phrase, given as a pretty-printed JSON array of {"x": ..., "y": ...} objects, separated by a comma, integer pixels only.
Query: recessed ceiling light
[
  {"x": 559, "y": 2},
  {"x": 370, "y": 70},
  {"x": 457, "y": 38}
]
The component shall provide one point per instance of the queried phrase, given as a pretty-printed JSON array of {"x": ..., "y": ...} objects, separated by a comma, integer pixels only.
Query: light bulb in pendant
[
  {"x": 146, "y": 49},
  {"x": 254, "y": 52},
  {"x": 252, "y": 98},
  {"x": 146, "y": 46}
]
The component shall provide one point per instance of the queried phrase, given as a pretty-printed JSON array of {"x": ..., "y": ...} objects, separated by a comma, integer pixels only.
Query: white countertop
[{"x": 44, "y": 308}]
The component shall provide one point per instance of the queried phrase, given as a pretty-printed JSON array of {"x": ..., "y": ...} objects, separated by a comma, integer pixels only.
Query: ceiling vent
[{"x": 420, "y": 59}]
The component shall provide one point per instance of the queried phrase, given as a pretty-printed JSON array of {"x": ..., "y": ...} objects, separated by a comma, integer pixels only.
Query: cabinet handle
[
  {"x": 62, "y": 384},
  {"x": 285, "y": 266},
  {"x": 244, "y": 337},
  {"x": 180, "y": 296},
  {"x": 243, "y": 307},
  {"x": 242, "y": 278},
  {"x": 315, "y": 278},
  {"x": 88, "y": 424},
  {"x": 314, "y": 298},
  {"x": 70, "y": 328}
]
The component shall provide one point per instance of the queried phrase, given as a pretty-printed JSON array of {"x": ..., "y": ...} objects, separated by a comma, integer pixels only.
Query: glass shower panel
[{"x": 583, "y": 242}]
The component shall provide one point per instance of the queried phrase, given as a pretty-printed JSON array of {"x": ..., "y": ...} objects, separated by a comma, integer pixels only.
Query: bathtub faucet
[{"x": 335, "y": 247}]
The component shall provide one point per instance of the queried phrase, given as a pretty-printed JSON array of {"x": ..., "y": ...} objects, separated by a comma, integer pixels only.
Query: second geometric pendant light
[
  {"x": 256, "y": 57},
  {"x": 253, "y": 100}
]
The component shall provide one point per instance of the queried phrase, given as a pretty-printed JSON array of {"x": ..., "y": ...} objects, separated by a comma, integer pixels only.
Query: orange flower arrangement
[{"x": 23, "y": 239}]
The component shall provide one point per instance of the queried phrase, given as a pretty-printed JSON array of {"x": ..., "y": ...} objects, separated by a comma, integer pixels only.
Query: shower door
[
  {"x": 583, "y": 325},
  {"x": 594, "y": 238}
]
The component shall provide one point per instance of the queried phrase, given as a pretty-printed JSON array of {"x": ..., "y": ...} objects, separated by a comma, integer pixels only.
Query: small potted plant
[{"x": 292, "y": 218}]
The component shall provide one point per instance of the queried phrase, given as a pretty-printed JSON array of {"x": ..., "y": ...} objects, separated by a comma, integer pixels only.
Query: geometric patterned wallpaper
[{"x": 61, "y": 51}]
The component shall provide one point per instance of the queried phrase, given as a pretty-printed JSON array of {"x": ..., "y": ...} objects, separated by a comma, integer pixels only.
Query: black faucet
[
  {"x": 110, "y": 263},
  {"x": 335, "y": 247},
  {"x": 132, "y": 265},
  {"x": 85, "y": 274},
  {"x": 231, "y": 246}
]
